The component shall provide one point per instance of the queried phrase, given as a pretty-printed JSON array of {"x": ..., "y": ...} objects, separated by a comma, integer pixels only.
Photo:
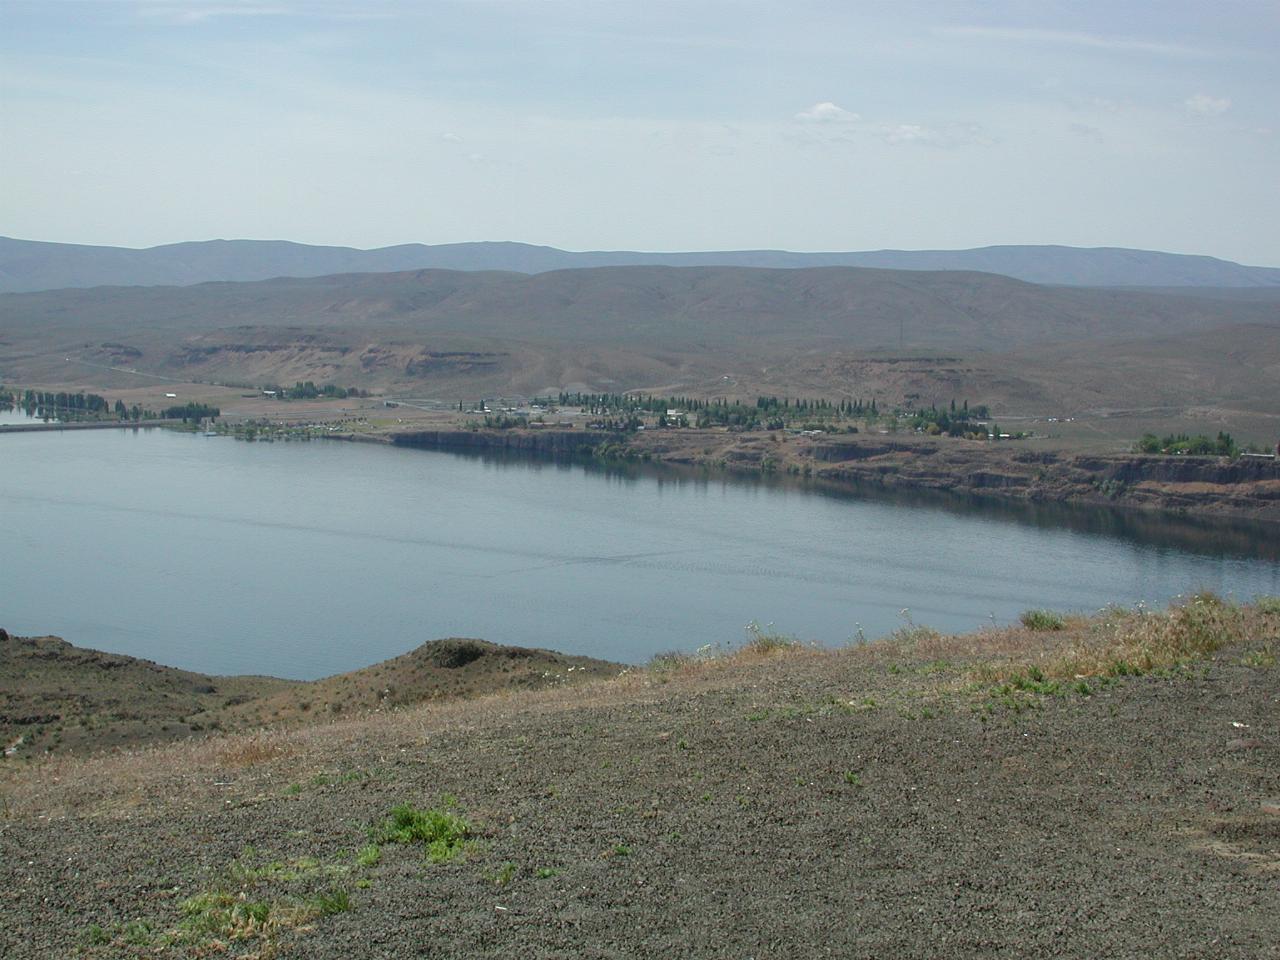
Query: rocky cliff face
[{"x": 1208, "y": 485}]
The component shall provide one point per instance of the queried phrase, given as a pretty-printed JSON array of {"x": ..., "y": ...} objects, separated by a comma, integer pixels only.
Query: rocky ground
[{"x": 1110, "y": 788}]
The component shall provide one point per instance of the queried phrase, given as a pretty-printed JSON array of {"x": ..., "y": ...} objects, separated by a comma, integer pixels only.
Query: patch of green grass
[
  {"x": 621, "y": 850},
  {"x": 331, "y": 901},
  {"x": 244, "y": 872},
  {"x": 1268, "y": 606},
  {"x": 853, "y": 779},
  {"x": 504, "y": 874},
  {"x": 546, "y": 873},
  {"x": 1042, "y": 620},
  {"x": 442, "y": 832},
  {"x": 219, "y": 913},
  {"x": 242, "y": 906},
  {"x": 935, "y": 666},
  {"x": 369, "y": 856},
  {"x": 133, "y": 933},
  {"x": 1263, "y": 659},
  {"x": 1033, "y": 681}
]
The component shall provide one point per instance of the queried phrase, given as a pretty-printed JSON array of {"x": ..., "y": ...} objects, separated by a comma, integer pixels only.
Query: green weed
[
  {"x": 1263, "y": 659},
  {"x": 442, "y": 832},
  {"x": 504, "y": 874},
  {"x": 1268, "y": 606},
  {"x": 334, "y": 900},
  {"x": 1042, "y": 620}
]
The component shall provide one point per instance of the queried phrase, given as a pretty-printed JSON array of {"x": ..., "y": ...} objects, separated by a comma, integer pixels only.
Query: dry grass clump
[
  {"x": 1121, "y": 642},
  {"x": 1134, "y": 642},
  {"x": 762, "y": 642},
  {"x": 246, "y": 751}
]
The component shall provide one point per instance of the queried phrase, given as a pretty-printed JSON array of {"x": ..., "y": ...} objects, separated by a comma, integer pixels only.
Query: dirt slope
[
  {"x": 924, "y": 797},
  {"x": 55, "y": 697}
]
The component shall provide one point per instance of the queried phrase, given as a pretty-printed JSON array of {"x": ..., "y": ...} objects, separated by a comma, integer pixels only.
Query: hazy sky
[{"x": 697, "y": 124}]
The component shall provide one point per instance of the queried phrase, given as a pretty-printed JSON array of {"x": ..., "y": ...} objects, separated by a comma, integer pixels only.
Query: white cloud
[
  {"x": 827, "y": 123},
  {"x": 906, "y": 133},
  {"x": 1206, "y": 105},
  {"x": 450, "y": 138},
  {"x": 826, "y": 112}
]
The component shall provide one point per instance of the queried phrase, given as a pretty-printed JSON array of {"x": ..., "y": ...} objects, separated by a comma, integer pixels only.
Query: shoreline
[{"x": 1201, "y": 488}]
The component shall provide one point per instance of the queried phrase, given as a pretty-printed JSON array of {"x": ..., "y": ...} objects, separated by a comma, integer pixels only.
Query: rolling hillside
[
  {"x": 899, "y": 335},
  {"x": 649, "y": 306}
]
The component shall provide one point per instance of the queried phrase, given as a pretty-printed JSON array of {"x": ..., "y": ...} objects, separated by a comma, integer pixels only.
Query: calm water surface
[
  {"x": 15, "y": 415},
  {"x": 306, "y": 559}
]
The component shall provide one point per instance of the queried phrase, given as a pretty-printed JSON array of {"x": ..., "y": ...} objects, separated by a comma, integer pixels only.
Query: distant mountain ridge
[
  {"x": 642, "y": 307},
  {"x": 28, "y": 265}
]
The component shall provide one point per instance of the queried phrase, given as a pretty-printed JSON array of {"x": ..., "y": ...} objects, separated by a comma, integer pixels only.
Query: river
[{"x": 306, "y": 559}]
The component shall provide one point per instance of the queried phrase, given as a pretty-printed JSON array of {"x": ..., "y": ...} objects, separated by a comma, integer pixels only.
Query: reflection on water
[
  {"x": 1220, "y": 536},
  {"x": 302, "y": 560},
  {"x": 17, "y": 415}
]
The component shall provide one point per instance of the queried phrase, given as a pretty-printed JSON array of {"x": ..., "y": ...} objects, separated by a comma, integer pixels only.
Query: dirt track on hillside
[{"x": 857, "y": 804}]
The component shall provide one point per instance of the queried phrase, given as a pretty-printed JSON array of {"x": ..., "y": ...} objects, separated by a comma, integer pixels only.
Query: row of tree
[
  {"x": 954, "y": 422},
  {"x": 1224, "y": 445},
  {"x": 766, "y": 412},
  {"x": 61, "y": 405},
  {"x": 307, "y": 390}
]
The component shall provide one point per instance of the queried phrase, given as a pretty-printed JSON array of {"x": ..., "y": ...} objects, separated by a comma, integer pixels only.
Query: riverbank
[
  {"x": 1245, "y": 489},
  {"x": 1079, "y": 787}
]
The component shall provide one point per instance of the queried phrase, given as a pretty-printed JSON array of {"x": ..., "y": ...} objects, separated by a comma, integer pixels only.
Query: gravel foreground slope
[{"x": 901, "y": 799}]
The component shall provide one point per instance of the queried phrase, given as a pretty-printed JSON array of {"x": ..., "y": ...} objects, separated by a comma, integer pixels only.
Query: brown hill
[
  {"x": 1171, "y": 362},
  {"x": 649, "y": 305},
  {"x": 56, "y": 697}
]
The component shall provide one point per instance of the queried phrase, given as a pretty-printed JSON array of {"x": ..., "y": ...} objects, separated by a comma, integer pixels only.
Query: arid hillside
[
  {"x": 1155, "y": 360},
  {"x": 62, "y": 699},
  {"x": 1074, "y": 787}
]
